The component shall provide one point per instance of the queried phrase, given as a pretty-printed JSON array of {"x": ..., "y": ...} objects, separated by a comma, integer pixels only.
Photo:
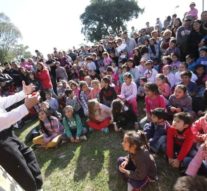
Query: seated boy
[
  {"x": 53, "y": 103},
  {"x": 203, "y": 56},
  {"x": 180, "y": 140},
  {"x": 186, "y": 80},
  {"x": 156, "y": 130}
]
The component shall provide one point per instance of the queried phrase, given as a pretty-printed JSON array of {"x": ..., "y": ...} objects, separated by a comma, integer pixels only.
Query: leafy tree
[
  {"x": 103, "y": 16},
  {"x": 9, "y": 36},
  {"x": 21, "y": 51}
]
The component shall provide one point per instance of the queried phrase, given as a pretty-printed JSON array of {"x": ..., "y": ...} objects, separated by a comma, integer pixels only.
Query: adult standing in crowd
[
  {"x": 193, "y": 11},
  {"x": 195, "y": 38},
  {"x": 51, "y": 64},
  {"x": 16, "y": 158},
  {"x": 130, "y": 43},
  {"x": 44, "y": 78},
  {"x": 182, "y": 35},
  {"x": 204, "y": 21}
]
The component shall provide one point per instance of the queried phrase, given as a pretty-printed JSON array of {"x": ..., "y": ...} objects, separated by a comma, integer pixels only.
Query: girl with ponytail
[{"x": 139, "y": 167}]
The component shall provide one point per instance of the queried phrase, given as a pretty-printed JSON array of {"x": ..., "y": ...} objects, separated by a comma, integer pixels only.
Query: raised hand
[
  {"x": 28, "y": 89},
  {"x": 31, "y": 101}
]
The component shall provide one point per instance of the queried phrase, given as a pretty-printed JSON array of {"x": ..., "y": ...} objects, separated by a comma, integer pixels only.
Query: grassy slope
[{"x": 91, "y": 166}]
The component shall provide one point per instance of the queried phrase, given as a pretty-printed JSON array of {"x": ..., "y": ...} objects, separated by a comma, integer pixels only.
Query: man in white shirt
[{"x": 15, "y": 157}]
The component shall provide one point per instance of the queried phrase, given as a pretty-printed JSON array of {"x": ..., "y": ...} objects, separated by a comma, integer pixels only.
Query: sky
[{"x": 45, "y": 24}]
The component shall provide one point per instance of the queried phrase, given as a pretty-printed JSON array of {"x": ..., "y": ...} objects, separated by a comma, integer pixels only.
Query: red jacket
[
  {"x": 44, "y": 77},
  {"x": 185, "y": 140}
]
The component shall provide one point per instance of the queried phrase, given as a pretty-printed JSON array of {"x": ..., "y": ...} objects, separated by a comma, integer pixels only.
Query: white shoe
[{"x": 84, "y": 138}]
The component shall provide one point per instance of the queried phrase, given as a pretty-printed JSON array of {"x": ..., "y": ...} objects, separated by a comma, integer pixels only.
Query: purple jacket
[{"x": 185, "y": 103}]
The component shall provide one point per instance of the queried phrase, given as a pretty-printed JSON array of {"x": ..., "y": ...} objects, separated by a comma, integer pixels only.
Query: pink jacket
[
  {"x": 193, "y": 13},
  {"x": 200, "y": 127},
  {"x": 152, "y": 103},
  {"x": 195, "y": 164},
  {"x": 94, "y": 93},
  {"x": 165, "y": 89},
  {"x": 107, "y": 61}
]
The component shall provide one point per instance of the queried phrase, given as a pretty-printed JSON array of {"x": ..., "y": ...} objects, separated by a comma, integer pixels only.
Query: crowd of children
[{"x": 100, "y": 87}]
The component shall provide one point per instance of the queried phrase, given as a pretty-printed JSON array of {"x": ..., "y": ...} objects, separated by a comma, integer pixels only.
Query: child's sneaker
[{"x": 83, "y": 138}]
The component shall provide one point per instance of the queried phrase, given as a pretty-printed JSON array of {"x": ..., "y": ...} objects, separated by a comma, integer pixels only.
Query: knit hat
[{"x": 203, "y": 48}]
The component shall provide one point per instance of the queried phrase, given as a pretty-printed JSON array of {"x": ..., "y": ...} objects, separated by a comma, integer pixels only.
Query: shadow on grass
[
  {"x": 53, "y": 159},
  {"x": 50, "y": 159},
  {"x": 91, "y": 158},
  {"x": 116, "y": 182},
  {"x": 91, "y": 165}
]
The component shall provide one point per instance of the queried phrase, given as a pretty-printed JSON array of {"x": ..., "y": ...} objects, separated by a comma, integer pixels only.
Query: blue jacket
[{"x": 154, "y": 131}]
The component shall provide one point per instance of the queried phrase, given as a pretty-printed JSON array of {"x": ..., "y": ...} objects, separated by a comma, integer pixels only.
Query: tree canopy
[
  {"x": 9, "y": 37},
  {"x": 103, "y": 16}
]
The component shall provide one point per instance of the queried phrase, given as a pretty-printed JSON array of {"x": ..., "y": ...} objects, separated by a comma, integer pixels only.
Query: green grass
[{"x": 91, "y": 165}]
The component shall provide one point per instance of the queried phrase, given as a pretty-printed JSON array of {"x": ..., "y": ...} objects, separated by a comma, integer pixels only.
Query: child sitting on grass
[
  {"x": 139, "y": 167},
  {"x": 199, "y": 129},
  {"x": 72, "y": 100},
  {"x": 156, "y": 130},
  {"x": 99, "y": 116},
  {"x": 163, "y": 85},
  {"x": 180, "y": 140},
  {"x": 180, "y": 101},
  {"x": 122, "y": 116},
  {"x": 84, "y": 96},
  {"x": 73, "y": 128},
  {"x": 175, "y": 62},
  {"x": 75, "y": 87},
  {"x": 51, "y": 130},
  {"x": 140, "y": 89},
  {"x": 96, "y": 88},
  {"x": 45, "y": 107},
  {"x": 107, "y": 93},
  {"x": 198, "y": 163},
  {"x": 153, "y": 100},
  {"x": 129, "y": 92},
  {"x": 53, "y": 103},
  {"x": 184, "y": 68},
  {"x": 191, "y": 86},
  {"x": 166, "y": 70},
  {"x": 150, "y": 72}
]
